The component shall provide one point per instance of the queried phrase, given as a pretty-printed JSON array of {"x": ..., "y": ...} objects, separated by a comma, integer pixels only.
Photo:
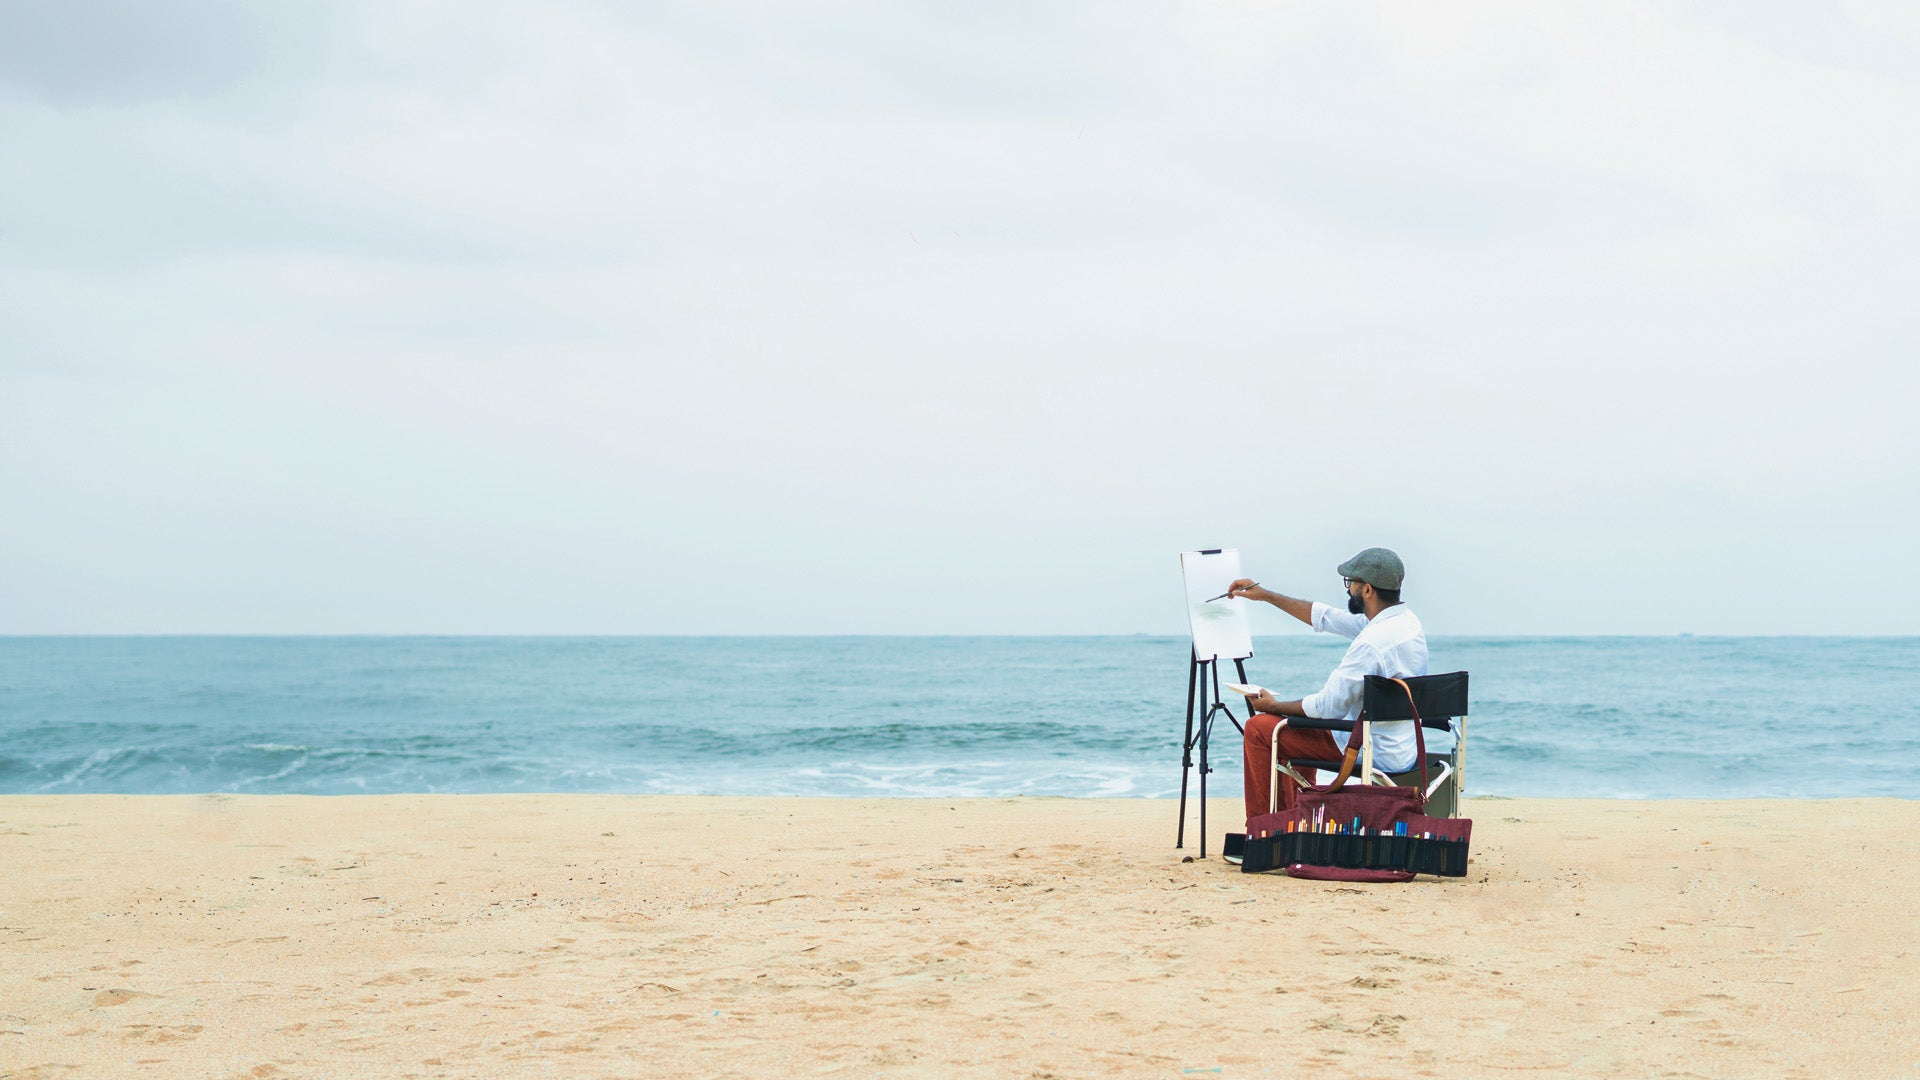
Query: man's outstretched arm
[{"x": 1299, "y": 609}]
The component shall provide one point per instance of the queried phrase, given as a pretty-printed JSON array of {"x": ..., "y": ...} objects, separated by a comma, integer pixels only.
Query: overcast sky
[{"x": 589, "y": 317}]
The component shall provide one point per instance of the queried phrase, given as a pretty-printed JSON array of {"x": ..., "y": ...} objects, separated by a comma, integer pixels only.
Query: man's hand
[
  {"x": 1248, "y": 588},
  {"x": 1265, "y": 702}
]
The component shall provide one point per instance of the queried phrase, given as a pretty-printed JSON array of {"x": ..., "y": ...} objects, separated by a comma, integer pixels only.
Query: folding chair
[{"x": 1442, "y": 703}]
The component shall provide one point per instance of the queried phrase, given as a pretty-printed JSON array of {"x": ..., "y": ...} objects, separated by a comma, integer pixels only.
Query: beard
[{"x": 1355, "y": 605}]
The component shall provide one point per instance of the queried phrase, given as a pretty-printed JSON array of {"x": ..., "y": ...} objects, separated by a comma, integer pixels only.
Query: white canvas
[{"x": 1220, "y": 629}]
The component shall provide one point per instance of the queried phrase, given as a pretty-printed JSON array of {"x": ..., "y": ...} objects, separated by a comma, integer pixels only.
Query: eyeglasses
[{"x": 1350, "y": 582}]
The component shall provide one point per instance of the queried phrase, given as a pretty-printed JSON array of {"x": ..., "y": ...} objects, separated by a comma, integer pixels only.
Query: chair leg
[
  {"x": 1459, "y": 764},
  {"x": 1366, "y": 752},
  {"x": 1442, "y": 794}
]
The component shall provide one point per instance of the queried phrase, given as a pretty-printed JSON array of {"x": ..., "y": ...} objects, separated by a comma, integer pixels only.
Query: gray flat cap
[{"x": 1377, "y": 567}]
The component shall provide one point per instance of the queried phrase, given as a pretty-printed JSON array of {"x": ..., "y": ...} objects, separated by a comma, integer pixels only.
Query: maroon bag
[{"x": 1342, "y": 833}]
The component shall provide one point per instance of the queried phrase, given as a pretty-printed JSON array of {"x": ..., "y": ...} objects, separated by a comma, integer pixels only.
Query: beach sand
[{"x": 587, "y": 936}]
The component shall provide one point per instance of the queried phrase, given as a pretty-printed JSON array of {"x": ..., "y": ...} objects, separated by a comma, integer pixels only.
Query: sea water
[{"x": 911, "y": 716}]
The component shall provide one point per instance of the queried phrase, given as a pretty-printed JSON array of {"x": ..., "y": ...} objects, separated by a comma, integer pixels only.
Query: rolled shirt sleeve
[{"x": 1332, "y": 620}]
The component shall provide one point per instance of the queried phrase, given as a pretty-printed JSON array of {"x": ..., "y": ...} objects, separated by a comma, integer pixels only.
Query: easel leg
[
  {"x": 1186, "y": 752},
  {"x": 1206, "y": 729},
  {"x": 1203, "y": 706}
]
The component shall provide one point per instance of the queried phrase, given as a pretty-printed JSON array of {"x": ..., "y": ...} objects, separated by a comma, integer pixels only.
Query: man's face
[{"x": 1356, "y": 596}]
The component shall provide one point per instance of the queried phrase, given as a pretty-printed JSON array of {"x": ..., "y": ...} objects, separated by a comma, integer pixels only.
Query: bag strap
[
  {"x": 1346, "y": 769},
  {"x": 1352, "y": 756},
  {"x": 1419, "y": 737}
]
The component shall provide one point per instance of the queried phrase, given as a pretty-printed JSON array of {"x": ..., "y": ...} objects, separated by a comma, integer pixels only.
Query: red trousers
[{"x": 1294, "y": 743}]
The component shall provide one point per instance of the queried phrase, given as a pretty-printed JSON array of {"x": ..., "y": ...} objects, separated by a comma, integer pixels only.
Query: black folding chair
[{"x": 1441, "y": 701}]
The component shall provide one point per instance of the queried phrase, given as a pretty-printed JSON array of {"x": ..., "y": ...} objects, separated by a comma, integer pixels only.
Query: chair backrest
[{"x": 1438, "y": 697}]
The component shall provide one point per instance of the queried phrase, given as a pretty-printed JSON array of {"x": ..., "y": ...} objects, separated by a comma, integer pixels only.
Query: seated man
[{"x": 1387, "y": 640}]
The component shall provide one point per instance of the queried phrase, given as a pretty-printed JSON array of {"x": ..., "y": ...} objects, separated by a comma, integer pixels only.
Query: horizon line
[{"x": 1679, "y": 636}]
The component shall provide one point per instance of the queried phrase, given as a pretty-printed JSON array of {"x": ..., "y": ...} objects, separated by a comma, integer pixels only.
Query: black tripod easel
[{"x": 1203, "y": 706}]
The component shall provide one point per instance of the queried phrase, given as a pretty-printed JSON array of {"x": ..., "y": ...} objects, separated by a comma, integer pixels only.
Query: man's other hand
[{"x": 1264, "y": 702}]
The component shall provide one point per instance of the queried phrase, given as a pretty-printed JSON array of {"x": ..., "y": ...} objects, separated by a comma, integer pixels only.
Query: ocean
[{"x": 1606, "y": 717}]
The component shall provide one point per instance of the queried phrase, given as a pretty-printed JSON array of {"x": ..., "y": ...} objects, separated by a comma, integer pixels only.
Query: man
[{"x": 1387, "y": 640}]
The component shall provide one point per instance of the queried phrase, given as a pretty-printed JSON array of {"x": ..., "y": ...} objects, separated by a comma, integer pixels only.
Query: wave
[{"x": 909, "y": 717}]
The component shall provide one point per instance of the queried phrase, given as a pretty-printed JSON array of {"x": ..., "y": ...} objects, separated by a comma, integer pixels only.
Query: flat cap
[{"x": 1377, "y": 567}]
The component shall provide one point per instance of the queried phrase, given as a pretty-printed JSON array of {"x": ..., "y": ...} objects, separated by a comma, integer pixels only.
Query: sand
[{"x": 587, "y": 936}]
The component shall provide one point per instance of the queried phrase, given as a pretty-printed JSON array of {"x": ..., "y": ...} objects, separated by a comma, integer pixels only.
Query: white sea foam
[
  {"x": 289, "y": 769},
  {"x": 92, "y": 763}
]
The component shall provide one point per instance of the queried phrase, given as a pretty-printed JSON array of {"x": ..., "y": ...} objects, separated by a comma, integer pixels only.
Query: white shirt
[{"x": 1392, "y": 644}]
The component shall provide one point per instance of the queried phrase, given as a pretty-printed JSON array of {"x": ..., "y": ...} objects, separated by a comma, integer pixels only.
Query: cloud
[
  {"x": 706, "y": 318},
  {"x": 93, "y": 53}
]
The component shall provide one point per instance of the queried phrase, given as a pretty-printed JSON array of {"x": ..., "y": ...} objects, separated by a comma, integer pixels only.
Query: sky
[{"x": 712, "y": 318}]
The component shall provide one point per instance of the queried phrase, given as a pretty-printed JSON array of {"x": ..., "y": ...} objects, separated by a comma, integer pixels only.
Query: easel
[
  {"x": 1203, "y": 705},
  {"x": 1219, "y": 633}
]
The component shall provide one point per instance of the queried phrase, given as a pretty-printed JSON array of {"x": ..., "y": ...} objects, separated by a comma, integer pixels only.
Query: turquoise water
[{"x": 1081, "y": 716}]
